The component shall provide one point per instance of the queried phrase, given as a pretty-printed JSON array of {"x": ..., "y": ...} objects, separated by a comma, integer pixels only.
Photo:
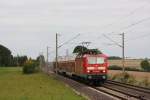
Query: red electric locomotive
[{"x": 91, "y": 68}]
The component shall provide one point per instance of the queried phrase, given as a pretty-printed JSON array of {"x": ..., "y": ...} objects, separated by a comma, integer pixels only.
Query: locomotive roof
[
  {"x": 98, "y": 55},
  {"x": 74, "y": 56}
]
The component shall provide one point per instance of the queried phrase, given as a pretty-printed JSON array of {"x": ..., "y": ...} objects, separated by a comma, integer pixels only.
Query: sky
[{"x": 28, "y": 26}]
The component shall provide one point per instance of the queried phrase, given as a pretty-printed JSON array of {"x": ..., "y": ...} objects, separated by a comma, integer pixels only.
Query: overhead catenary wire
[
  {"x": 69, "y": 40},
  {"x": 128, "y": 15},
  {"x": 139, "y": 37},
  {"x": 136, "y": 23},
  {"x": 125, "y": 17},
  {"x": 116, "y": 43},
  {"x": 129, "y": 26}
]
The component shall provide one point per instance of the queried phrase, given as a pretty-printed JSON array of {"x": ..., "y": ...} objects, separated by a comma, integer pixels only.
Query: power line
[
  {"x": 57, "y": 47},
  {"x": 132, "y": 12},
  {"x": 138, "y": 22},
  {"x": 122, "y": 46},
  {"x": 140, "y": 37},
  {"x": 133, "y": 24},
  {"x": 69, "y": 40},
  {"x": 116, "y": 43},
  {"x": 126, "y": 16}
]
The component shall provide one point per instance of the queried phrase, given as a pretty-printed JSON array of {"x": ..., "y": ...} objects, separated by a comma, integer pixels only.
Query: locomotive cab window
[
  {"x": 92, "y": 60},
  {"x": 100, "y": 60},
  {"x": 95, "y": 60}
]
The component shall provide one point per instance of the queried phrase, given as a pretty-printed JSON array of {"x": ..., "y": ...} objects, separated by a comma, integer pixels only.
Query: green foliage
[
  {"x": 83, "y": 50},
  {"x": 132, "y": 69},
  {"x": 30, "y": 67},
  {"x": 145, "y": 82},
  {"x": 40, "y": 60},
  {"x": 19, "y": 60},
  {"x": 115, "y": 67},
  {"x": 5, "y": 56},
  {"x": 114, "y": 58},
  {"x": 125, "y": 78},
  {"x": 145, "y": 65},
  {"x": 16, "y": 86},
  {"x": 94, "y": 51},
  {"x": 80, "y": 49},
  {"x": 7, "y": 59}
]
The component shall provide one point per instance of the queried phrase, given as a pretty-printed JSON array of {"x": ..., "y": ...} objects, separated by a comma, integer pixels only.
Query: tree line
[{"x": 7, "y": 59}]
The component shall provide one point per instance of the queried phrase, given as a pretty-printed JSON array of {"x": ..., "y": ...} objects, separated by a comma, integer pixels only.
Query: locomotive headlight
[
  {"x": 101, "y": 68},
  {"x": 90, "y": 68},
  {"x": 104, "y": 71}
]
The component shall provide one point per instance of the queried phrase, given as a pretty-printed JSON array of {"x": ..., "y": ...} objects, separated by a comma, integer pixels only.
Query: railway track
[
  {"x": 111, "y": 89},
  {"x": 124, "y": 91}
]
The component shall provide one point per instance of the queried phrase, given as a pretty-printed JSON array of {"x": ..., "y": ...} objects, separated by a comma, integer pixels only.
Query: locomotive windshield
[{"x": 95, "y": 60}]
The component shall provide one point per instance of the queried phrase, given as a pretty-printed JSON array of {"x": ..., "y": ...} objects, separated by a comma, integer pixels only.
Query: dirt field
[
  {"x": 134, "y": 63},
  {"x": 137, "y": 75}
]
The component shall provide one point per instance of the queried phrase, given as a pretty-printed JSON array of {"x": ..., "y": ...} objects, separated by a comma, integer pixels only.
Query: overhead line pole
[
  {"x": 40, "y": 54},
  {"x": 56, "y": 53},
  {"x": 47, "y": 58},
  {"x": 47, "y": 54},
  {"x": 123, "y": 49},
  {"x": 123, "y": 53},
  {"x": 57, "y": 47}
]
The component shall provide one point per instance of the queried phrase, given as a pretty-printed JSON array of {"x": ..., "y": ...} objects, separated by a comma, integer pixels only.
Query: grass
[
  {"x": 134, "y": 78},
  {"x": 16, "y": 86}
]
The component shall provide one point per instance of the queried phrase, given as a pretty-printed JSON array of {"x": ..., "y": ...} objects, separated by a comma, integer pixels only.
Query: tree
[
  {"x": 5, "y": 56},
  {"x": 114, "y": 58},
  {"x": 80, "y": 49},
  {"x": 94, "y": 51},
  {"x": 40, "y": 60},
  {"x": 83, "y": 50},
  {"x": 145, "y": 65},
  {"x": 30, "y": 67},
  {"x": 19, "y": 60}
]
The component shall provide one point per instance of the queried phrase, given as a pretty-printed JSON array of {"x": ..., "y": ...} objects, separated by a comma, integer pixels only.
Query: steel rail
[
  {"x": 126, "y": 93},
  {"x": 137, "y": 88},
  {"x": 109, "y": 93}
]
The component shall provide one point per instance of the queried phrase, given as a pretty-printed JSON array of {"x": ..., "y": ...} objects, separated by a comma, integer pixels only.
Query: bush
[
  {"x": 145, "y": 82},
  {"x": 132, "y": 69},
  {"x": 145, "y": 65},
  {"x": 30, "y": 67},
  {"x": 114, "y": 67},
  {"x": 125, "y": 78}
]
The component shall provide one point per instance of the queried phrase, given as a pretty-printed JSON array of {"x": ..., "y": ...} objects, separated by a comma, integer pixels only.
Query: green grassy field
[{"x": 16, "y": 86}]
